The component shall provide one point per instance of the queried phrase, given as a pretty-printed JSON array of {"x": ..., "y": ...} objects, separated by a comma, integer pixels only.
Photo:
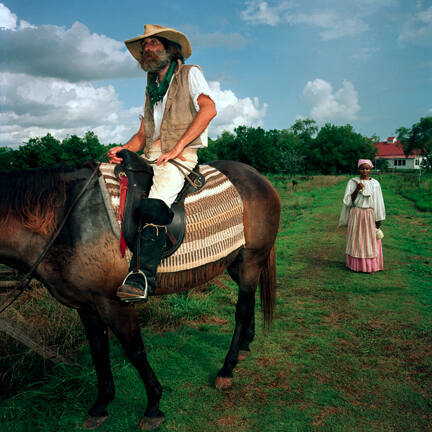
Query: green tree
[
  {"x": 209, "y": 153},
  {"x": 419, "y": 137},
  {"x": 39, "y": 152},
  {"x": 249, "y": 145},
  {"x": 47, "y": 151},
  {"x": 76, "y": 151},
  {"x": 7, "y": 157},
  {"x": 305, "y": 129},
  {"x": 336, "y": 149},
  {"x": 289, "y": 153}
]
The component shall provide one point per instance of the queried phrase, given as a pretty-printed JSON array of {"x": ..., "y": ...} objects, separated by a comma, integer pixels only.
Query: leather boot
[{"x": 148, "y": 250}]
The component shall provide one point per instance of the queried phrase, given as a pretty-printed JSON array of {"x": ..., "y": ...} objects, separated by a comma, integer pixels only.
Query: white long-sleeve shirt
[{"x": 368, "y": 197}]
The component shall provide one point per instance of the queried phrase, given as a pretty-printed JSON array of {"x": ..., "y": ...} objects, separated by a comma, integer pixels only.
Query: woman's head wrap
[{"x": 364, "y": 161}]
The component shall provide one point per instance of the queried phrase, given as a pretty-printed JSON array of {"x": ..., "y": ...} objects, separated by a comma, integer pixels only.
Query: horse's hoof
[
  {"x": 150, "y": 423},
  {"x": 91, "y": 422},
  {"x": 243, "y": 355},
  {"x": 223, "y": 383}
]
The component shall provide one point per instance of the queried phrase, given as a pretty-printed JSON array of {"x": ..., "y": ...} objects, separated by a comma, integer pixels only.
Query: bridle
[{"x": 22, "y": 286}]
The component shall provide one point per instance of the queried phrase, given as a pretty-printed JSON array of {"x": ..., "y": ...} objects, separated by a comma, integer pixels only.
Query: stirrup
[{"x": 145, "y": 292}]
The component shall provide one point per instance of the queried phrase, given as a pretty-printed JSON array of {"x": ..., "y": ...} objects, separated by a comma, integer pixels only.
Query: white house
[{"x": 392, "y": 151}]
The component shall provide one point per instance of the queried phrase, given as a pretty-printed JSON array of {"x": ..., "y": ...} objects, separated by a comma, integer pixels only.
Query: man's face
[{"x": 154, "y": 56}]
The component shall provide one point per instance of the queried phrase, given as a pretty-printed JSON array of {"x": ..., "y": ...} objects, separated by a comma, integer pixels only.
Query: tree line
[
  {"x": 303, "y": 148},
  {"x": 48, "y": 151}
]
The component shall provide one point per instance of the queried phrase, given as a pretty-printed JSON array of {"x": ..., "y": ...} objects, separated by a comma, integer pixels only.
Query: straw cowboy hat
[{"x": 134, "y": 44}]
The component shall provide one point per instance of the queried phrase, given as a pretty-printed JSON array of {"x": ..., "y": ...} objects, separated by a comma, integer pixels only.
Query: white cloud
[
  {"x": 233, "y": 112},
  {"x": 330, "y": 106},
  {"x": 418, "y": 27},
  {"x": 262, "y": 13},
  {"x": 34, "y": 106},
  {"x": 8, "y": 20},
  {"x": 73, "y": 54},
  {"x": 333, "y": 21},
  {"x": 334, "y": 24},
  {"x": 47, "y": 84}
]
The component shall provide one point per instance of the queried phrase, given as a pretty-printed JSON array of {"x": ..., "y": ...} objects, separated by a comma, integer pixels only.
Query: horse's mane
[{"x": 30, "y": 197}]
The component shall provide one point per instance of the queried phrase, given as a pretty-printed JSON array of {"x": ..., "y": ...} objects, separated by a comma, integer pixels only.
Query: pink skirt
[{"x": 363, "y": 250}]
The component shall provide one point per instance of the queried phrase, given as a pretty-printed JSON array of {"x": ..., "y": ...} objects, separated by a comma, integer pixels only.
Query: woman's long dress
[{"x": 363, "y": 249}]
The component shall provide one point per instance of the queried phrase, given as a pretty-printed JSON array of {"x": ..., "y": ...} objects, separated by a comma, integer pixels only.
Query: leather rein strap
[
  {"x": 196, "y": 182},
  {"x": 21, "y": 287}
]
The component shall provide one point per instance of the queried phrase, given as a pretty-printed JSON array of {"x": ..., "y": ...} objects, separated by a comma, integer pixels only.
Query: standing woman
[{"x": 363, "y": 210}]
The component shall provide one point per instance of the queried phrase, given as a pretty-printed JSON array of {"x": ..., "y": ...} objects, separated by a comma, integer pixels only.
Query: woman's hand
[
  {"x": 378, "y": 224},
  {"x": 112, "y": 154},
  {"x": 359, "y": 187}
]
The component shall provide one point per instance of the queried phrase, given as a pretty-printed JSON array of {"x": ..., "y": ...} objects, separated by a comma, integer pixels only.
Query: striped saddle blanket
[{"x": 214, "y": 219}]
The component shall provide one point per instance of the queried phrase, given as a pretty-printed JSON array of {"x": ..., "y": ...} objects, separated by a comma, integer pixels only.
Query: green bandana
[{"x": 157, "y": 92}]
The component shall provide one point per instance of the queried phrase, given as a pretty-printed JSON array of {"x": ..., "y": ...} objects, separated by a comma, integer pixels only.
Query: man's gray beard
[{"x": 156, "y": 64}]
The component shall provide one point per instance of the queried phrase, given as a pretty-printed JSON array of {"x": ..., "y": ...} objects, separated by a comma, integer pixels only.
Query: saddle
[{"x": 140, "y": 178}]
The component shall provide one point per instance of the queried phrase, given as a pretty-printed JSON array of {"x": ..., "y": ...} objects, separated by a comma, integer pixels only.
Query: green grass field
[{"x": 346, "y": 352}]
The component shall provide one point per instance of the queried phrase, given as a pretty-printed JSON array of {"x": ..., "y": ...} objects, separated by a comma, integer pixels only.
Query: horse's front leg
[
  {"x": 123, "y": 321},
  {"x": 97, "y": 335}
]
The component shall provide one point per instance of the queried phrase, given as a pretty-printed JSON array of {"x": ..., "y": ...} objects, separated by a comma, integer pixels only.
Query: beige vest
[{"x": 178, "y": 115}]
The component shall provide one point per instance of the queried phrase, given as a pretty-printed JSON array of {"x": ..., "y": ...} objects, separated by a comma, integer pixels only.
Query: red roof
[{"x": 389, "y": 150}]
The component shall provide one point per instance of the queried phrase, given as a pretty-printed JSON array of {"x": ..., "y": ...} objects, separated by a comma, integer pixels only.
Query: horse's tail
[{"x": 268, "y": 287}]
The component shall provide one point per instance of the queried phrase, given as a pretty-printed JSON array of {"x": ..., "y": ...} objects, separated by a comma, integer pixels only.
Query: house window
[
  {"x": 399, "y": 162},
  {"x": 416, "y": 162}
]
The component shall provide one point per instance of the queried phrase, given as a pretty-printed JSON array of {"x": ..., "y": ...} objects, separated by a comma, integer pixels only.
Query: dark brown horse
[{"x": 84, "y": 267}]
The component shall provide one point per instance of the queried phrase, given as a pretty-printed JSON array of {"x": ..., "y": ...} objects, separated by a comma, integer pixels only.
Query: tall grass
[
  {"x": 411, "y": 186},
  {"x": 53, "y": 325},
  {"x": 50, "y": 324}
]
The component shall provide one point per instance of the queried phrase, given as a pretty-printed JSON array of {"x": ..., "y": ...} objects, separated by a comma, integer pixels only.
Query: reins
[
  {"x": 21, "y": 287},
  {"x": 187, "y": 172},
  {"x": 196, "y": 183}
]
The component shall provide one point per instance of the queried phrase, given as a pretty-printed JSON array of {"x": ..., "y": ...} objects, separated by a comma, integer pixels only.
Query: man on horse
[{"x": 178, "y": 108}]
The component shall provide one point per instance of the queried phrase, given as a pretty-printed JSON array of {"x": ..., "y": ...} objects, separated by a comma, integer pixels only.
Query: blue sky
[{"x": 64, "y": 68}]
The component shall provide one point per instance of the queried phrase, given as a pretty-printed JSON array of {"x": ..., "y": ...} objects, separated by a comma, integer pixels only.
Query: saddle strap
[
  {"x": 123, "y": 192},
  {"x": 196, "y": 183},
  {"x": 187, "y": 172}
]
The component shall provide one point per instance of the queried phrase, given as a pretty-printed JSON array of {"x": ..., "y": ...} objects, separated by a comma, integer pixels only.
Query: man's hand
[
  {"x": 175, "y": 153},
  {"x": 112, "y": 154}
]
